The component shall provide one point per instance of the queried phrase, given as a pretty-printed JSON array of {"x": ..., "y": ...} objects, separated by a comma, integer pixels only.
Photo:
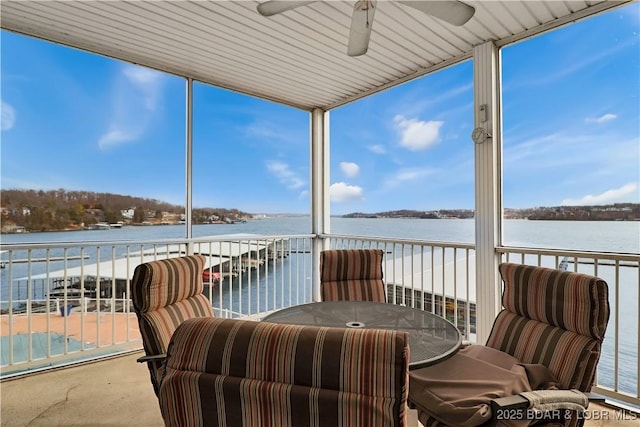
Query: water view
[
  {"x": 615, "y": 236},
  {"x": 601, "y": 236}
]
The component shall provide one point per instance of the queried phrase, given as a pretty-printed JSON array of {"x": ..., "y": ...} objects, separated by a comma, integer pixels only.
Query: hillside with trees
[
  {"x": 39, "y": 210},
  {"x": 406, "y": 213},
  {"x": 613, "y": 212}
]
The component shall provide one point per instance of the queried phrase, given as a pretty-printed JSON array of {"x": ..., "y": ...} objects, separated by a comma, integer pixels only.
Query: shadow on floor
[{"x": 118, "y": 392}]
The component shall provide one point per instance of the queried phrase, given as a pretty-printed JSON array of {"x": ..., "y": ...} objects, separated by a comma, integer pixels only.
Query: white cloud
[
  {"x": 260, "y": 130},
  {"x": 278, "y": 130},
  {"x": 342, "y": 192},
  {"x": 136, "y": 95},
  {"x": 596, "y": 56},
  {"x": 378, "y": 149},
  {"x": 418, "y": 101},
  {"x": 141, "y": 76},
  {"x": 8, "y": 117},
  {"x": 410, "y": 175},
  {"x": 350, "y": 169},
  {"x": 602, "y": 119},
  {"x": 284, "y": 174},
  {"x": 609, "y": 196},
  {"x": 406, "y": 175},
  {"x": 115, "y": 137},
  {"x": 147, "y": 82},
  {"x": 417, "y": 134}
]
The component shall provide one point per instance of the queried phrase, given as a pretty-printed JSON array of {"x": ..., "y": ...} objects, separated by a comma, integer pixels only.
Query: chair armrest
[
  {"x": 520, "y": 402},
  {"x": 569, "y": 399},
  {"x": 508, "y": 408},
  {"x": 551, "y": 402},
  {"x": 510, "y": 402},
  {"x": 151, "y": 358},
  {"x": 595, "y": 397}
]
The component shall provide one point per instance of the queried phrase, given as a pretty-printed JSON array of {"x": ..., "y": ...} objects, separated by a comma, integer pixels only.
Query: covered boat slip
[
  {"x": 252, "y": 250},
  {"x": 436, "y": 282},
  {"x": 225, "y": 259}
]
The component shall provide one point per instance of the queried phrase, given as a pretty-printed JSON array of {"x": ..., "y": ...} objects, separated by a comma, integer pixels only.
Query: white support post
[
  {"x": 320, "y": 203},
  {"x": 189, "y": 165},
  {"x": 488, "y": 185}
]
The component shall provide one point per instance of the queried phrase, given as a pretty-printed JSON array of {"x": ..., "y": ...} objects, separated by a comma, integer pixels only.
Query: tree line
[
  {"x": 40, "y": 210},
  {"x": 611, "y": 212}
]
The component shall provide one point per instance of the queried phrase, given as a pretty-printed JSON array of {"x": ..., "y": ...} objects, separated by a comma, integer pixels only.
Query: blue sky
[{"x": 571, "y": 108}]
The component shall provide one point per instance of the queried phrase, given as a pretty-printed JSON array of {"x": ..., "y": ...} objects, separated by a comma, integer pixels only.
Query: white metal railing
[
  {"x": 256, "y": 275},
  {"x": 271, "y": 273},
  {"x": 66, "y": 301},
  {"x": 440, "y": 277},
  {"x": 619, "y": 364},
  {"x": 435, "y": 276}
]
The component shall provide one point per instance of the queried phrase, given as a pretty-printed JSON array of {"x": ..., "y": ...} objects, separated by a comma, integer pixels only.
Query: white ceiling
[{"x": 297, "y": 58}]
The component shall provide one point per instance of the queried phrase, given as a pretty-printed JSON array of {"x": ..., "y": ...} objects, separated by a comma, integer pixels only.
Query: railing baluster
[
  {"x": 455, "y": 287},
  {"x": 98, "y": 297},
  {"x": 113, "y": 295},
  {"x": 127, "y": 294},
  {"x": 47, "y": 301},
  {"x": 637, "y": 333},
  {"x": 28, "y": 307},
  {"x": 467, "y": 317},
  {"x": 83, "y": 302},
  {"x": 10, "y": 303},
  {"x": 616, "y": 360}
]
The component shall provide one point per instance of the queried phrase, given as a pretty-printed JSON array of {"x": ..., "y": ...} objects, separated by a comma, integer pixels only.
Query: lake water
[
  {"x": 603, "y": 236},
  {"x": 614, "y": 236}
]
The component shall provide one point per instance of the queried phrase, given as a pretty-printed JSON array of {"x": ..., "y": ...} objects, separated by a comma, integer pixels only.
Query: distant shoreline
[
  {"x": 61, "y": 210},
  {"x": 511, "y": 219},
  {"x": 613, "y": 212},
  {"x": 595, "y": 220}
]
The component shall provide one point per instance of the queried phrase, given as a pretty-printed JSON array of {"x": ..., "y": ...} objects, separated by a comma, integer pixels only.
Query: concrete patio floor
[{"x": 118, "y": 392}]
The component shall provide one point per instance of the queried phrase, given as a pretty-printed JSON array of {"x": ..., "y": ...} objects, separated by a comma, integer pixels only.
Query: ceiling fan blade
[
  {"x": 361, "y": 23},
  {"x": 273, "y": 7},
  {"x": 452, "y": 11}
]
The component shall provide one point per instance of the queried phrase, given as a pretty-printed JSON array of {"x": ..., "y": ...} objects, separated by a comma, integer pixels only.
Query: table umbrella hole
[{"x": 355, "y": 325}]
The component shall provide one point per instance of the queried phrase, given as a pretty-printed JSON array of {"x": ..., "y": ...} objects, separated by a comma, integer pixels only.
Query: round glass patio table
[{"x": 432, "y": 338}]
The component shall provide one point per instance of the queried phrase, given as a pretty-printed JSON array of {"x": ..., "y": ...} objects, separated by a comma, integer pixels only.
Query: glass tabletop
[{"x": 431, "y": 338}]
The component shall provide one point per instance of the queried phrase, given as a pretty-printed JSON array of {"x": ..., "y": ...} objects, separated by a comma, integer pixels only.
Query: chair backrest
[
  {"x": 352, "y": 274},
  {"x": 165, "y": 293},
  {"x": 243, "y": 373},
  {"x": 555, "y": 318}
]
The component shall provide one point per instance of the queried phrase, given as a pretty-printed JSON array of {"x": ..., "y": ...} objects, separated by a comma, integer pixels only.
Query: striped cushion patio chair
[
  {"x": 165, "y": 293},
  {"x": 352, "y": 274},
  {"x": 232, "y": 372},
  {"x": 548, "y": 336}
]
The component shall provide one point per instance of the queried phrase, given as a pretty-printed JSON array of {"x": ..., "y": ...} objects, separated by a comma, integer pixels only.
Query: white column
[
  {"x": 320, "y": 203},
  {"x": 488, "y": 185},
  {"x": 189, "y": 162}
]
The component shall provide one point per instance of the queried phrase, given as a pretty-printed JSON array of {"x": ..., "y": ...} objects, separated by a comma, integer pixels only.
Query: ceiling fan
[{"x": 451, "y": 11}]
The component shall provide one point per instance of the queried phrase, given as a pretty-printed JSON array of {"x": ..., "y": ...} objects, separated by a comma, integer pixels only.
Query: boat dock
[
  {"x": 50, "y": 259},
  {"x": 224, "y": 260}
]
